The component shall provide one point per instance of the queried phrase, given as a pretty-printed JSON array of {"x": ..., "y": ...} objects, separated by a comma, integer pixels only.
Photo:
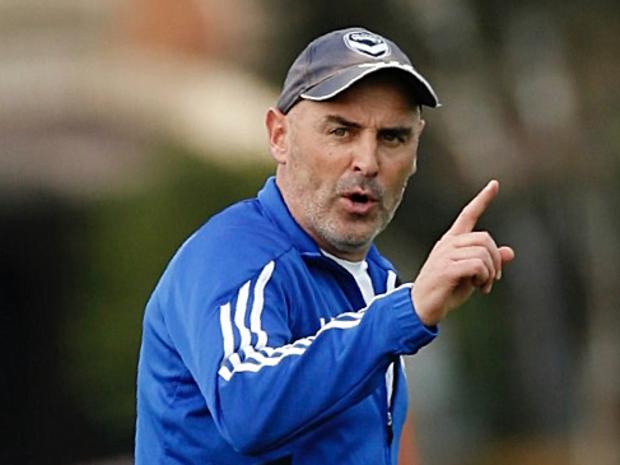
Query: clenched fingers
[
  {"x": 481, "y": 254},
  {"x": 485, "y": 240},
  {"x": 473, "y": 269}
]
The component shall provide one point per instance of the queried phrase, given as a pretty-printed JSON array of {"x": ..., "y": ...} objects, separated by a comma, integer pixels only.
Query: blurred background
[{"x": 125, "y": 124}]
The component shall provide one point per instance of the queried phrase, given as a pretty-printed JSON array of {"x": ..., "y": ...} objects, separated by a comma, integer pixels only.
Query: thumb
[{"x": 507, "y": 254}]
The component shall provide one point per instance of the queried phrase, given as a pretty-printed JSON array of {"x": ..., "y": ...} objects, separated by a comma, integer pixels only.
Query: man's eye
[
  {"x": 339, "y": 132},
  {"x": 393, "y": 137}
]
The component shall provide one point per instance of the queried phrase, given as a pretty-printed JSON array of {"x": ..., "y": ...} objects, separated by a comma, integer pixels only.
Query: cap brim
[{"x": 332, "y": 86}]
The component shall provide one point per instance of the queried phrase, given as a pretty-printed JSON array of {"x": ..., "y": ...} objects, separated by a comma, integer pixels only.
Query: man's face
[{"x": 345, "y": 163}]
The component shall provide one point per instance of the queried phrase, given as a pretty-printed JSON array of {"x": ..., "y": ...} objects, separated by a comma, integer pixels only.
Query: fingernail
[{"x": 498, "y": 276}]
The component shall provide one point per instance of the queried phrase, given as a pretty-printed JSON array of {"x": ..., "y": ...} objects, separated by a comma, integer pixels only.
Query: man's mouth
[
  {"x": 358, "y": 198},
  {"x": 359, "y": 202}
]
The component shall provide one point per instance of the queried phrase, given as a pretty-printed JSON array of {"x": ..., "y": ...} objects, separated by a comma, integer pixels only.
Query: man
[{"x": 276, "y": 333}]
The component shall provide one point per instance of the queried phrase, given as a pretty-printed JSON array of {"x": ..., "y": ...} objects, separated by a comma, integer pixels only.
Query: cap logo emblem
[{"x": 367, "y": 43}]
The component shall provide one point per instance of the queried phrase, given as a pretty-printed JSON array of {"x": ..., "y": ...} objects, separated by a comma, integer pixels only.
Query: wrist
[{"x": 428, "y": 319}]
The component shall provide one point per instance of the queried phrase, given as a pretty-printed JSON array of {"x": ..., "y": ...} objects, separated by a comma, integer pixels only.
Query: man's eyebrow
[
  {"x": 342, "y": 121},
  {"x": 398, "y": 130}
]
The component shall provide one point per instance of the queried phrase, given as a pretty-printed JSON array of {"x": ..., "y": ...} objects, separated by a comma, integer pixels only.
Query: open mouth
[
  {"x": 359, "y": 202},
  {"x": 359, "y": 198}
]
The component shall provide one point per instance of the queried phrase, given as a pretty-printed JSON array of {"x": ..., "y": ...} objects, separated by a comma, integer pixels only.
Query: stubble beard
[{"x": 331, "y": 227}]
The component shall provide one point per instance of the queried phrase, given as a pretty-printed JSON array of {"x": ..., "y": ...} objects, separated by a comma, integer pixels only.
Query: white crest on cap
[{"x": 367, "y": 43}]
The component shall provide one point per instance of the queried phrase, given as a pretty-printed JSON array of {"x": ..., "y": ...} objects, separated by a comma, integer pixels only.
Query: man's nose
[{"x": 365, "y": 156}]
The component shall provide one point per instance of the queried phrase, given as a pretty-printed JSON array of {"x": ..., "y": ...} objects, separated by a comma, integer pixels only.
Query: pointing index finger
[{"x": 469, "y": 216}]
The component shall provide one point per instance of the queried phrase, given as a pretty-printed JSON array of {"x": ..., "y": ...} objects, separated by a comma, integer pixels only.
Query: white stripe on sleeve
[
  {"x": 227, "y": 332},
  {"x": 259, "y": 301},
  {"x": 252, "y": 358},
  {"x": 275, "y": 355},
  {"x": 225, "y": 373},
  {"x": 242, "y": 305}
]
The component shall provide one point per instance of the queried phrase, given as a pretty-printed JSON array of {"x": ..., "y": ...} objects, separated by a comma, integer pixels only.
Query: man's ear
[
  {"x": 277, "y": 130},
  {"x": 419, "y": 128}
]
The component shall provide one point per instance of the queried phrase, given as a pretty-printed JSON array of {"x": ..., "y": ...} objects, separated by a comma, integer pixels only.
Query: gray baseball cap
[{"x": 335, "y": 61}]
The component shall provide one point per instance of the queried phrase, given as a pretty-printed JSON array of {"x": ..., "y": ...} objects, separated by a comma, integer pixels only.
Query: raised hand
[{"x": 461, "y": 261}]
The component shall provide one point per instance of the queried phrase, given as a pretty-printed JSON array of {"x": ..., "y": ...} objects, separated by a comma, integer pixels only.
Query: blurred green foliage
[{"x": 124, "y": 243}]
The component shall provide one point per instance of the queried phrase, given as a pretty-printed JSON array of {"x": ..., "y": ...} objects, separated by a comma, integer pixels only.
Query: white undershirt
[{"x": 359, "y": 271}]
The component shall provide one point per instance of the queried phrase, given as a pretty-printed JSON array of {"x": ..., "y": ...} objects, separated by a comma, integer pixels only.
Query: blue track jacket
[{"x": 259, "y": 349}]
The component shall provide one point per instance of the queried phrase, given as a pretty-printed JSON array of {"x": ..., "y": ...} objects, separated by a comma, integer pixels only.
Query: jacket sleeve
[{"x": 264, "y": 389}]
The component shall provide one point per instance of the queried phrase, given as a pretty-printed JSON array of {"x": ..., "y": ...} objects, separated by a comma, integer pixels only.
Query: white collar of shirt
[{"x": 359, "y": 271}]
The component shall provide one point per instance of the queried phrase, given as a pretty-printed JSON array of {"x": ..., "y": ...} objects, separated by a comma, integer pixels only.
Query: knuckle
[
  {"x": 483, "y": 269},
  {"x": 445, "y": 242},
  {"x": 487, "y": 240}
]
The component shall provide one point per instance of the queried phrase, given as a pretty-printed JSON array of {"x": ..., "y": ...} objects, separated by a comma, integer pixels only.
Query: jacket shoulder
[{"x": 235, "y": 243}]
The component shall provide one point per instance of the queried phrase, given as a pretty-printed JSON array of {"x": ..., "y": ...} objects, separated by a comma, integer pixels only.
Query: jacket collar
[{"x": 276, "y": 210}]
